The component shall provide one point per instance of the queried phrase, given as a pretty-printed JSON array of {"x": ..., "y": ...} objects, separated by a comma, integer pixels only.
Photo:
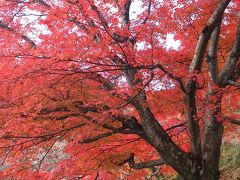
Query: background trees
[{"x": 90, "y": 78}]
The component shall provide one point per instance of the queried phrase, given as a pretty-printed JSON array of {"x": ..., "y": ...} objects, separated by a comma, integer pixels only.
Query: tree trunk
[
  {"x": 211, "y": 141},
  {"x": 205, "y": 174}
]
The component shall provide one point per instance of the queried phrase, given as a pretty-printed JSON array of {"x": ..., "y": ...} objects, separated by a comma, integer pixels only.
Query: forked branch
[
  {"x": 205, "y": 36},
  {"x": 231, "y": 64}
]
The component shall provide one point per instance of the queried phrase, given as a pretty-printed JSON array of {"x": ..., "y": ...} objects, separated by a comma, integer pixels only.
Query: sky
[{"x": 135, "y": 10}]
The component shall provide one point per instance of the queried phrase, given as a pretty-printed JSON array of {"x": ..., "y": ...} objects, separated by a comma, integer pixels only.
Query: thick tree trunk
[
  {"x": 208, "y": 173},
  {"x": 160, "y": 140},
  {"x": 211, "y": 141}
]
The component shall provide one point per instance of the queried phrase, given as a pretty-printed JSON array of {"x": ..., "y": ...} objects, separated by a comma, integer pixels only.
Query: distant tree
[{"x": 91, "y": 88}]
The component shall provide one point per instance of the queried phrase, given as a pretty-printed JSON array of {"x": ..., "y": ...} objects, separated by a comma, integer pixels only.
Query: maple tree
[{"x": 90, "y": 88}]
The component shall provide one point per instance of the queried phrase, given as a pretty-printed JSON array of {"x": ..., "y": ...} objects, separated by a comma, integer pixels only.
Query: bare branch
[
  {"x": 5, "y": 26},
  {"x": 232, "y": 120},
  {"x": 192, "y": 121},
  {"x": 58, "y": 117},
  {"x": 41, "y": 2},
  {"x": 148, "y": 12},
  {"x": 176, "y": 126},
  {"x": 233, "y": 59},
  {"x": 129, "y": 126},
  {"x": 127, "y": 11},
  {"x": 89, "y": 140},
  {"x": 46, "y": 153},
  {"x": 46, "y": 135},
  {"x": 105, "y": 82},
  {"x": 6, "y": 155},
  {"x": 205, "y": 35},
  {"x": 212, "y": 54},
  {"x": 142, "y": 165},
  {"x": 79, "y": 105},
  {"x": 173, "y": 77},
  {"x": 191, "y": 86},
  {"x": 100, "y": 15},
  {"x": 24, "y": 37},
  {"x": 80, "y": 25},
  {"x": 233, "y": 83}
]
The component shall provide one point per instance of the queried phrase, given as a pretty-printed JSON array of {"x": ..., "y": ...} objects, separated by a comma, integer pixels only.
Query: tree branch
[
  {"x": 142, "y": 165},
  {"x": 89, "y": 140},
  {"x": 41, "y": 2},
  {"x": 148, "y": 12},
  {"x": 191, "y": 86},
  {"x": 233, "y": 83},
  {"x": 192, "y": 120},
  {"x": 153, "y": 131},
  {"x": 126, "y": 11},
  {"x": 232, "y": 120},
  {"x": 212, "y": 54},
  {"x": 233, "y": 59},
  {"x": 129, "y": 126},
  {"x": 176, "y": 126},
  {"x": 100, "y": 15},
  {"x": 108, "y": 85},
  {"x": 46, "y": 135},
  {"x": 46, "y": 153},
  {"x": 205, "y": 35},
  {"x": 173, "y": 77},
  {"x": 24, "y": 37}
]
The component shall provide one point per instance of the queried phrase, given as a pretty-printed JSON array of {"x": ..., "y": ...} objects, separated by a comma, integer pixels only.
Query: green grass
[{"x": 230, "y": 161}]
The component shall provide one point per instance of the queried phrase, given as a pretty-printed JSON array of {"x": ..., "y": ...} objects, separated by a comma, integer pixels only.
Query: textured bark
[
  {"x": 202, "y": 163},
  {"x": 199, "y": 167},
  {"x": 213, "y": 129},
  {"x": 142, "y": 165},
  {"x": 205, "y": 36},
  {"x": 160, "y": 140},
  {"x": 212, "y": 138},
  {"x": 126, "y": 11},
  {"x": 233, "y": 59},
  {"x": 193, "y": 127},
  {"x": 212, "y": 54}
]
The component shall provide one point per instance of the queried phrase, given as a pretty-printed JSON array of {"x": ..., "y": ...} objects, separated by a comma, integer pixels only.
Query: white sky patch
[
  {"x": 58, "y": 3},
  {"x": 121, "y": 81},
  {"x": 36, "y": 29},
  {"x": 142, "y": 46},
  {"x": 163, "y": 84},
  {"x": 171, "y": 43},
  {"x": 136, "y": 9}
]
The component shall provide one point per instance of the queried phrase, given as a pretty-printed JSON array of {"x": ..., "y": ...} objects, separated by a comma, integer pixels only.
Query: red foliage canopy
[{"x": 98, "y": 88}]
